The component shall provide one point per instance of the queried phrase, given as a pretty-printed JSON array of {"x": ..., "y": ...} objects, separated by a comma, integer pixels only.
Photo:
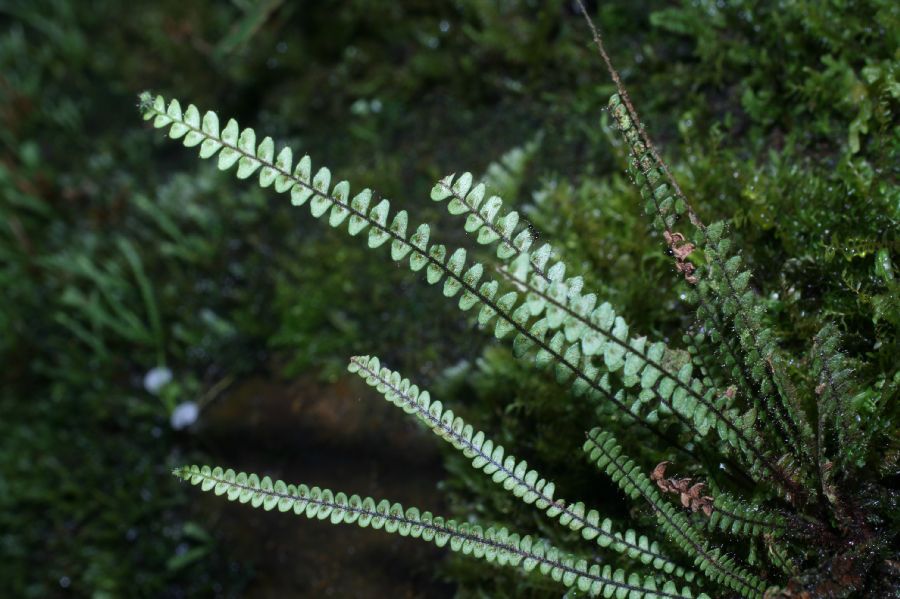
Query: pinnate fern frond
[
  {"x": 602, "y": 449},
  {"x": 733, "y": 516},
  {"x": 727, "y": 284},
  {"x": 507, "y": 173},
  {"x": 840, "y": 437},
  {"x": 680, "y": 394},
  {"x": 639, "y": 361},
  {"x": 667, "y": 202},
  {"x": 493, "y": 544},
  {"x": 505, "y": 469},
  {"x": 717, "y": 354},
  {"x": 483, "y": 220},
  {"x": 564, "y": 304},
  {"x": 721, "y": 288},
  {"x": 506, "y": 311}
]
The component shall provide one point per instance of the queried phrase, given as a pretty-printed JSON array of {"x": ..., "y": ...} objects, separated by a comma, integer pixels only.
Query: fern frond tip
[
  {"x": 145, "y": 101},
  {"x": 357, "y": 362},
  {"x": 182, "y": 472}
]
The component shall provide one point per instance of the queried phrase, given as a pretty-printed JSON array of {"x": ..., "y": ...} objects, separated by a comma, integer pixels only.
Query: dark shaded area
[{"x": 340, "y": 438}]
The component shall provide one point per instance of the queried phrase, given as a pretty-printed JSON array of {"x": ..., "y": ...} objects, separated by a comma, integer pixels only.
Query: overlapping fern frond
[
  {"x": 496, "y": 545},
  {"x": 550, "y": 316},
  {"x": 731, "y": 406}
]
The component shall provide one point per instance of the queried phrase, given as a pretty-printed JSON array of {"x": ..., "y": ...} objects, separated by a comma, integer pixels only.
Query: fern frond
[
  {"x": 720, "y": 511},
  {"x": 729, "y": 281},
  {"x": 717, "y": 352},
  {"x": 680, "y": 394},
  {"x": 505, "y": 469},
  {"x": 733, "y": 516},
  {"x": 779, "y": 557},
  {"x": 602, "y": 449},
  {"x": 723, "y": 286},
  {"x": 720, "y": 340},
  {"x": 838, "y": 435},
  {"x": 660, "y": 201},
  {"x": 726, "y": 284},
  {"x": 631, "y": 112},
  {"x": 667, "y": 205},
  {"x": 493, "y": 544},
  {"x": 237, "y": 146},
  {"x": 483, "y": 220},
  {"x": 565, "y": 305}
]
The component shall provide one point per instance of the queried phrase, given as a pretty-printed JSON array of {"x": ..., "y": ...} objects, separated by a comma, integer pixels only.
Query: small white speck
[
  {"x": 156, "y": 379},
  {"x": 184, "y": 415}
]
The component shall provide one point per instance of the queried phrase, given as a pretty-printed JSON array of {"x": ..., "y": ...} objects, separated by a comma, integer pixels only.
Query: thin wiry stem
[{"x": 626, "y": 99}]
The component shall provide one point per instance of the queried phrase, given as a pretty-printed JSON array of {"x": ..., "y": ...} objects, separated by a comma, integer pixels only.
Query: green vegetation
[{"x": 121, "y": 258}]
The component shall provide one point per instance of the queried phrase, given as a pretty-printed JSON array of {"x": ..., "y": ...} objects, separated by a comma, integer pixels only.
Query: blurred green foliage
[{"x": 779, "y": 116}]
